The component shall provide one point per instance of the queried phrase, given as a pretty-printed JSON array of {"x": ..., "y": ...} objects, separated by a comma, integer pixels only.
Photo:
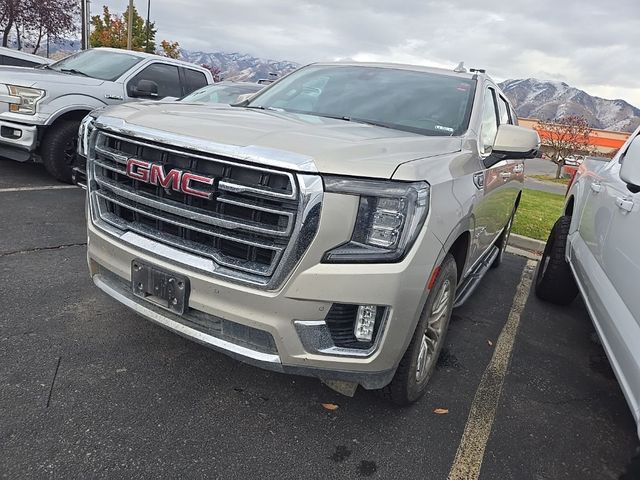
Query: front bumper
[
  {"x": 289, "y": 318},
  {"x": 17, "y": 140}
]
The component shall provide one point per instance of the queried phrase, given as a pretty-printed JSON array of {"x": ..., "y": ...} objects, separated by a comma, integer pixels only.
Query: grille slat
[
  {"x": 246, "y": 225},
  {"x": 166, "y": 205}
]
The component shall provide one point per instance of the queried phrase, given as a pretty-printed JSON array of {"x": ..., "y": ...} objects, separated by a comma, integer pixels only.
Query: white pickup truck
[
  {"x": 593, "y": 250},
  {"x": 41, "y": 108}
]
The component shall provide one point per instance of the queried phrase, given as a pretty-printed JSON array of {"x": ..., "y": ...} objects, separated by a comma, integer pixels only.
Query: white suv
[{"x": 593, "y": 248}]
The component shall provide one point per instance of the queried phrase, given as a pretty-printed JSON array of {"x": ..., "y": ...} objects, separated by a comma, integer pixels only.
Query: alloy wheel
[{"x": 434, "y": 332}]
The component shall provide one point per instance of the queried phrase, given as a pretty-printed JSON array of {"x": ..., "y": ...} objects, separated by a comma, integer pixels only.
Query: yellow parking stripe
[{"x": 468, "y": 460}]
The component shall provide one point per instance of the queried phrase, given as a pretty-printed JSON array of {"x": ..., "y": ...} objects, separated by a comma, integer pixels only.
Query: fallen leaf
[
  {"x": 330, "y": 406},
  {"x": 441, "y": 411},
  {"x": 490, "y": 343}
]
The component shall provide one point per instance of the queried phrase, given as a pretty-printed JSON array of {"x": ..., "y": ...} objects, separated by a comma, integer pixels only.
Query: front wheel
[
  {"x": 58, "y": 149},
  {"x": 554, "y": 279},
  {"x": 419, "y": 361}
]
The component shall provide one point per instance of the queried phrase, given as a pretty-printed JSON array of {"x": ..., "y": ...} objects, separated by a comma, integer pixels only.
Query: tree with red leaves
[
  {"x": 215, "y": 71},
  {"x": 563, "y": 138}
]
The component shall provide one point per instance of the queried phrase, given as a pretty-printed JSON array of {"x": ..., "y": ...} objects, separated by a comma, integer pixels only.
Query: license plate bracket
[{"x": 159, "y": 286}]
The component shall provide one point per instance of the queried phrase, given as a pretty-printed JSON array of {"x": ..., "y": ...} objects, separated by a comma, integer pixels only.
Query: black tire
[
  {"x": 503, "y": 241},
  {"x": 632, "y": 472},
  {"x": 405, "y": 388},
  {"x": 58, "y": 149},
  {"x": 554, "y": 279}
]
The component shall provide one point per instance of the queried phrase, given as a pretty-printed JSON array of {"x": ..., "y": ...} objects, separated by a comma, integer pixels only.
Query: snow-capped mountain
[
  {"x": 240, "y": 66},
  {"x": 534, "y": 98}
]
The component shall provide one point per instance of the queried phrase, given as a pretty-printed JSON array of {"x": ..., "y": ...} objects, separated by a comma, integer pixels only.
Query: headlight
[
  {"x": 29, "y": 98},
  {"x": 390, "y": 216},
  {"x": 84, "y": 132}
]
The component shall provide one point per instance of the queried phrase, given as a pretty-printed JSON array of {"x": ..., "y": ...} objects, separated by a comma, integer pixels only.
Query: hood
[
  {"x": 41, "y": 77},
  {"x": 334, "y": 146}
]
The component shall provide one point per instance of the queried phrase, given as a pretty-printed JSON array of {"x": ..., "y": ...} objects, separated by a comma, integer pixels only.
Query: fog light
[{"x": 365, "y": 323}]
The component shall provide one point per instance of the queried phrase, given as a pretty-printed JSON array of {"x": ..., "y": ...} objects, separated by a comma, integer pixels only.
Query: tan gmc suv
[{"x": 326, "y": 227}]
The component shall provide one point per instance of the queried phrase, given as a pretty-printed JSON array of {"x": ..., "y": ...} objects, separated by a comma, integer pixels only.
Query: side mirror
[
  {"x": 630, "y": 170},
  {"x": 513, "y": 141},
  {"x": 145, "y": 88}
]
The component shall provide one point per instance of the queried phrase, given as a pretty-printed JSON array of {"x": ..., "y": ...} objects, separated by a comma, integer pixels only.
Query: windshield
[
  {"x": 220, "y": 93},
  {"x": 413, "y": 101},
  {"x": 102, "y": 64}
]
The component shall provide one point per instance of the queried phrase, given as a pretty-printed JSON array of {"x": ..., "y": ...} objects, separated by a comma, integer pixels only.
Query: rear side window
[
  {"x": 165, "y": 76},
  {"x": 193, "y": 80},
  {"x": 503, "y": 107},
  {"x": 489, "y": 128}
]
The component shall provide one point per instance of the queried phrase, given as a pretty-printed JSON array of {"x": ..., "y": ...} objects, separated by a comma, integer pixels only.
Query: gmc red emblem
[{"x": 174, "y": 179}]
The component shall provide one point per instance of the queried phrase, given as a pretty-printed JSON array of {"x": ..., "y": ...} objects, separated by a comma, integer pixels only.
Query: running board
[{"x": 469, "y": 285}]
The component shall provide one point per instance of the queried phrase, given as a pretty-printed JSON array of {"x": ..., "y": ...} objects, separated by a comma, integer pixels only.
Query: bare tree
[
  {"x": 563, "y": 138},
  {"x": 50, "y": 17},
  {"x": 37, "y": 17},
  {"x": 10, "y": 15}
]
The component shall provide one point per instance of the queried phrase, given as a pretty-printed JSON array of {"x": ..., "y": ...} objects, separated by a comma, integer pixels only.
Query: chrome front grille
[{"x": 252, "y": 227}]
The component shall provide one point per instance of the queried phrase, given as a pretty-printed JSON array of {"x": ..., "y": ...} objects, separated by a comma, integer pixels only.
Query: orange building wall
[{"x": 604, "y": 141}]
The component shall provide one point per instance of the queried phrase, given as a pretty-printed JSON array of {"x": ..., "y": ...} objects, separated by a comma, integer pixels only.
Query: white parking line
[
  {"x": 468, "y": 460},
  {"x": 34, "y": 189}
]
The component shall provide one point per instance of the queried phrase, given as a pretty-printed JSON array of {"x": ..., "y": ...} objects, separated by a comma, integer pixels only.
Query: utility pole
[
  {"x": 85, "y": 24},
  {"x": 130, "y": 26},
  {"x": 146, "y": 46},
  {"x": 83, "y": 33}
]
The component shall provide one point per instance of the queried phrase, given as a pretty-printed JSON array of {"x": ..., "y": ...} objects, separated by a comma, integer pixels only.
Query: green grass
[
  {"x": 551, "y": 179},
  {"x": 537, "y": 213}
]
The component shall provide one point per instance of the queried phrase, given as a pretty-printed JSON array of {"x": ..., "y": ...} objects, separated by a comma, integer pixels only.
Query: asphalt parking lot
[{"x": 90, "y": 390}]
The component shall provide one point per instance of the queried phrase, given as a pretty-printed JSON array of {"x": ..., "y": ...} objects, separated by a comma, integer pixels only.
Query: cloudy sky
[{"x": 592, "y": 45}]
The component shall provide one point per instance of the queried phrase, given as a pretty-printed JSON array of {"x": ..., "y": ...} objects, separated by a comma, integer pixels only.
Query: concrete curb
[{"x": 526, "y": 243}]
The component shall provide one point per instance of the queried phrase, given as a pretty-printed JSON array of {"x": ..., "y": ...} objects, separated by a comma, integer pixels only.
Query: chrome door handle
[
  {"x": 505, "y": 175},
  {"x": 624, "y": 204},
  {"x": 596, "y": 187}
]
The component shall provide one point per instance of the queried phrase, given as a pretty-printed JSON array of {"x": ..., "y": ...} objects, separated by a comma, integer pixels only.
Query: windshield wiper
[
  {"x": 260, "y": 107},
  {"x": 374, "y": 123},
  {"x": 74, "y": 71}
]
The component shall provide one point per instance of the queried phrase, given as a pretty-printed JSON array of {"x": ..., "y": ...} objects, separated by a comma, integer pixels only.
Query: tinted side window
[
  {"x": 193, "y": 80},
  {"x": 503, "y": 107},
  {"x": 16, "y": 62},
  {"x": 489, "y": 122},
  {"x": 166, "y": 76}
]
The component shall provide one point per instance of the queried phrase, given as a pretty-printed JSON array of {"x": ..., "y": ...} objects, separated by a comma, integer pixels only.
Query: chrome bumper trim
[{"x": 166, "y": 322}]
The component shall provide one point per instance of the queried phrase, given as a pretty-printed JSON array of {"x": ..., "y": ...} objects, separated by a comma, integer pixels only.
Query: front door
[
  {"x": 610, "y": 228},
  {"x": 498, "y": 182}
]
